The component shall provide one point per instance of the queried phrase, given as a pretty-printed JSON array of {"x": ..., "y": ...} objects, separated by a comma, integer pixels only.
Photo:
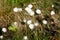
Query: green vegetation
[{"x": 41, "y": 32}]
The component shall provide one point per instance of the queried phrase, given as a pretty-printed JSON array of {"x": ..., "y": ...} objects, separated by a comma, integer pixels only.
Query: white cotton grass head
[
  {"x": 28, "y": 9},
  {"x": 25, "y": 38},
  {"x": 38, "y": 11},
  {"x": 30, "y": 6},
  {"x": 31, "y": 26},
  {"x": 52, "y": 13},
  {"x": 44, "y": 22},
  {"x": 24, "y": 20},
  {"x": 36, "y": 24},
  {"x": 31, "y": 13},
  {"x": 19, "y": 9},
  {"x": 14, "y": 24},
  {"x": 52, "y": 5},
  {"x": 15, "y": 9},
  {"x": 29, "y": 22},
  {"x": 1, "y": 37},
  {"x": 4, "y": 29}
]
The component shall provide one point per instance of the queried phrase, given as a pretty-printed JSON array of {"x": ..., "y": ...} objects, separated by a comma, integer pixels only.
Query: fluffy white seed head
[
  {"x": 24, "y": 20},
  {"x": 36, "y": 24},
  {"x": 4, "y": 29},
  {"x": 52, "y": 12},
  {"x": 25, "y": 37},
  {"x": 14, "y": 24},
  {"x": 44, "y": 22},
  {"x": 31, "y": 13},
  {"x": 15, "y": 9},
  {"x": 52, "y": 5},
  {"x": 31, "y": 26},
  {"x": 30, "y": 5},
  {"x": 29, "y": 22},
  {"x": 38, "y": 11},
  {"x": 19, "y": 9},
  {"x": 1, "y": 37},
  {"x": 28, "y": 9}
]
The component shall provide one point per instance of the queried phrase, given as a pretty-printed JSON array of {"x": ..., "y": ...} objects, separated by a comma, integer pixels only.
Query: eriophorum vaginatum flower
[
  {"x": 1, "y": 37},
  {"x": 19, "y": 9},
  {"x": 38, "y": 11},
  {"x": 31, "y": 26},
  {"x": 30, "y": 6},
  {"x": 30, "y": 11},
  {"x": 52, "y": 5},
  {"x": 25, "y": 38},
  {"x": 36, "y": 24},
  {"x": 44, "y": 22},
  {"x": 15, "y": 9},
  {"x": 4, "y": 29},
  {"x": 24, "y": 20},
  {"x": 15, "y": 24},
  {"x": 52, "y": 12},
  {"x": 29, "y": 22}
]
